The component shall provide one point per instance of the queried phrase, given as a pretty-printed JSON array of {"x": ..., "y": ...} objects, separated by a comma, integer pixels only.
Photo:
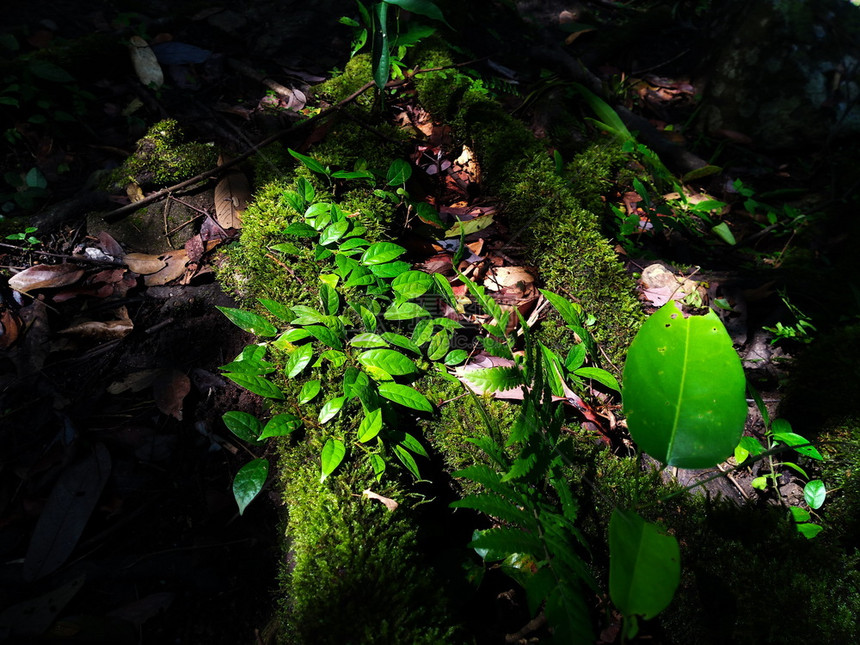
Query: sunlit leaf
[
  {"x": 370, "y": 426},
  {"x": 398, "y": 172},
  {"x": 309, "y": 162},
  {"x": 330, "y": 409},
  {"x": 405, "y": 396},
  {"x": 381, "y": 252},
  {"x": 309, "y": 391},
  {"x": 389, "y": 360},
  {"x": 256, "y": 384},
  {"x": 249, "y": 321},
  {"x": 332, "y": 455},
  {"x": 814, "y": 493},
  {"x": 281, "y": 425}
]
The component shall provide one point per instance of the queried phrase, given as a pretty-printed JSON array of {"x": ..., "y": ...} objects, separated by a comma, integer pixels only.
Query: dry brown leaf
[
  {"x": 174, "y": 268},
  {"x": 144, "y": 263},
  {"x": 109, "y": 245},
  {"x": 232, "y": 195},
  {"x": 95, "y": 329},
  {"x": 10, "y": 326},
  {"x": 170, "y": 388},
  {"x": 390, "y": 504},
  {"x": 136, "y": 381},
  {"x": 145, "y": 63},
  {"x": 45, "y": 276},
  {"x": 134, "y": 192},
  {"x": 500, "y": 277}
]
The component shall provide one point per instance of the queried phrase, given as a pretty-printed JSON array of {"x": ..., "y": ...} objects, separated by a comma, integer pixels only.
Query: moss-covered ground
[{"x": 356, "y": 573}]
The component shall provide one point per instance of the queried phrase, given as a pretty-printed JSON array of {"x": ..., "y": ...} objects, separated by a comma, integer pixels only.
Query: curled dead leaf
[
  {"x": 232, "y": 195},
  {"x": 45, "y": 276},
  {"x": 170, "y": 388},
  {"x": 390, "y": 504},
  {"x": 145, "y": 63},
  {"x": 174, "y": 267},
  {"x": 144, "y": 263}
]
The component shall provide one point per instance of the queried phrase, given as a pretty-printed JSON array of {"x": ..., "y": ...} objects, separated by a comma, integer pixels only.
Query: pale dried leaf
[
  {"x": 145, "y": 63},
  {"x": 100, "y": 330},
  {"x": 390, "y": 504},
  {"x": 134, "y": 192},
  {"x": 174, "y": 268},
  {"x": 498, "y": 277},
  {"x": 144, "y": 263},
  {"x": 170, "y": 388},
  {"x": 136, "y": 381},
  {"x": 232, "y": 195},
  {"x": 45, "y": 276}
]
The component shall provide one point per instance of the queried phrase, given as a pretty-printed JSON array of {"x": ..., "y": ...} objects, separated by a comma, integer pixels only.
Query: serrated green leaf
[
  {"x": 508, "y": 540},
  {"x": 249, "y": 321},
  {"x": 412, "y": 284},
  {"x": 277, "y": 309},
  {"x": 600, "y": 375},
  {"x": 330, "y": 409},
  {"x": 389, "y": 360},
  {"x": 521, "y": 467},
  {"x": 370, "y": 426},
  {"x": 245, "y": 426},
  {"x": 406, "y": 396},
  {"x": 495, "y": 348},
  {"x": 280, "y": 425},
  {"x": 405, "y": 311},
  {"x": 495, "y": 506},
  {"x": 398, "y": 172},
  {"x": 256, "y": 384},
  {"x": 494, "y": 379},
  {"x": 309, "y": 162},
  {"x": 331, "y": 457},
  {"x": 298, "y": 360},
  {"x": 381, "y": 252},
  {"x": 249, "y": 481},
  {"x": 401, "y": 341},
  {"x": 407, "y": 460}
]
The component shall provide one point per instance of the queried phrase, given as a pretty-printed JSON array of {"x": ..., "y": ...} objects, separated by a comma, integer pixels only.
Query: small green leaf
[
  {"x": 256, "y": 384},
  {"x": 809, "y": 530},
  {"x": 439, "y": 345},
  {"x": 389, "y": 360},
  {"x": 797, "y": 442},
  {"x": 298, "y": 360},
  {"x": 814, "y": 493},
  {"x": 370, "y": 426},
  {"x": 249, "y": 321},
  {"x": 411, "y": 443},
  {"x": 456, "y": 357},
  {"x": 378, "y": 465},
  {"x": 332, "y": 455},
  {"x": 309, "y": 391},
  {"x": 494, "y": 379},
  {"x": 405, "y": 396},
  {"x": 723, "y": 232},
  {"x": 300, "y": 229},
  {"x": 644, "y": 565},
  {"x": 368, "y": 340},
  {"x": 333, "y": 356},
  {"x": 330, "y": 300},
  {"x": 309, "y": 162},
  {"x": 405, "y": 311},
  {"x": 401, "y": 341},
  {"x": 325, "y": 335},
  {"x": 307, "y": 316},
  {"x": 600, "y": 375},
  {"x": 331, "y": 408},
  {"x": 495, "y": 348},
  {"x": 407, "y": 460},
  {"x": 245, "y": 426},
  {"x": 249, "y": 481},
  {"x": 799, "y": 514},
  {"x": 412, "y": 284},
  {"x": 390, "y": 269},
  {"x": 354, "y": 383},
  {"x": 381, "y": 252},
  {"x": 333, "y": 232},
  {"x": 368, "y": 318},
  {"x": 398, "y": 172},
  {"x": 277, "y": 309},
  {"x": 353, "y": 243},
  {"x": 759, "y": 483},
  {"x": 281, "y": 425},
  {"x": 305, "y": 189}
]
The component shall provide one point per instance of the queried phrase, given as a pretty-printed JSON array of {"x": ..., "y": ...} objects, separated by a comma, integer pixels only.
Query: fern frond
[{"x": 497, "y": 507}]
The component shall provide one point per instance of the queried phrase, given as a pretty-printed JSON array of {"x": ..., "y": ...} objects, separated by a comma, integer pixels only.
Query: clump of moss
[
  {"x": 163, "y": 158},
  {"x": 357, "y": 72}
]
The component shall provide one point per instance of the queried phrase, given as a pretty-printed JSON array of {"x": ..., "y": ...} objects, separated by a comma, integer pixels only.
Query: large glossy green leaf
[
  {"x": 256, "y": 384},
  {"x": 683, "y": 389},
  {"x": 249, "y": 321},
  {"x": 644, "y": 565},
  {"x": 389, "y": 360},
  {"x": 406, "y": 396},
  {"x": 370, "y": 426},
  {"x": 412, "y": 284},
  {"x": 309, "y": 391},
  {"x": 330, "y": 409},
  {"x": 298, "y": 360},
  {"x": 332, "y": 455},
  {"x": 280, "y": 425},
  {"x": 245, "y": 426},
  {"x": 249, "y": 482},
  {"x": 381, "y": 252}
]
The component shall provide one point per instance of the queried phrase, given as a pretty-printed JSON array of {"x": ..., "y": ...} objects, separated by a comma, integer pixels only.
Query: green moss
[
  {"x": 354, "y": 571},
  {"x": 163, "y": 158},
  {"x": 357, "y": 73}
]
